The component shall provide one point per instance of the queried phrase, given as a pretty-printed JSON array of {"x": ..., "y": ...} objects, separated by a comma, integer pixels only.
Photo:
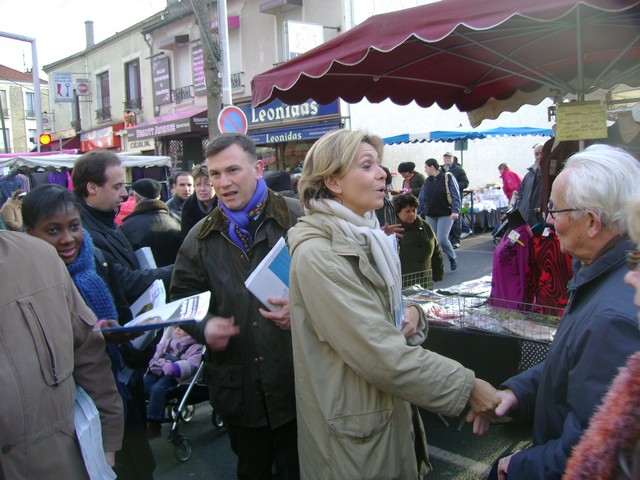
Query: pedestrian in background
[
  {"x": 510, "y": 180},
  {"x": 11, "y": 211},
  {"x": 182, "y": 189},
  {"x": 200, "y": 203},
  {"x": 151, "y": 225},
  {"x": 439, "y": 204},
  {"x": 412, "y": 180},
  {"x": 529, "y": 193},
  {"x": 420, "y": 255},
  {"x": 450, "y": 164}
]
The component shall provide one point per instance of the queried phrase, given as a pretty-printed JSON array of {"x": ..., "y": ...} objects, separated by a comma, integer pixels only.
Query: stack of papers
[{"x": 270, "y": 279}]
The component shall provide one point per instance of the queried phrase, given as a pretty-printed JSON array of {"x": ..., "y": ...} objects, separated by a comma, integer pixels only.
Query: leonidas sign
[{"x": 164, "y": 126}]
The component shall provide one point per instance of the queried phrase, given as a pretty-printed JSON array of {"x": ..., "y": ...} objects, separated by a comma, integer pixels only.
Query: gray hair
[{"x": 602, "y": 179}]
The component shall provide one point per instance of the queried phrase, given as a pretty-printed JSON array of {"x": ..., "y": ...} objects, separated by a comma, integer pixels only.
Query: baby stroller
[
  {"x": 180, "y": 406},
  {"x": 501, "y": 228}
]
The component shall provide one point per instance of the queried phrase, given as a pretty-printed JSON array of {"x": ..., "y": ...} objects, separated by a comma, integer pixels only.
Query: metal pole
[
  {"x": 36, "y": 80},
  {"x": 223, "y": 32}
]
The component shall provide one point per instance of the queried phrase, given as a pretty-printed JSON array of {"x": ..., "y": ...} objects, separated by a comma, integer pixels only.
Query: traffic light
[{"x": 45, "y": 139}]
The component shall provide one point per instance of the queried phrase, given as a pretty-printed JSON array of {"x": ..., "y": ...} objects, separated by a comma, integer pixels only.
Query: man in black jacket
[
  {"x": 151, "y": 225},
  {"x": 98, "y": 180},
  {"x": 451, "y": 165}
]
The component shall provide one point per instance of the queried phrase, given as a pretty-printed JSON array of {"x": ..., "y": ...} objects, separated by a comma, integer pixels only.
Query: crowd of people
[{"x": 327, "y": 382}]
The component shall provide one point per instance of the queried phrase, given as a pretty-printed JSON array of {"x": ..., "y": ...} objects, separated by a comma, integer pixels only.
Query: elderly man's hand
[
  {"x": 218, "y": 331},
  {"x": 280, "y": 317}
]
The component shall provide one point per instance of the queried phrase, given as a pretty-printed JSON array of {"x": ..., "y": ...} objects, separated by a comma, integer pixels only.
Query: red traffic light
[{"x": 45, "y": 139}]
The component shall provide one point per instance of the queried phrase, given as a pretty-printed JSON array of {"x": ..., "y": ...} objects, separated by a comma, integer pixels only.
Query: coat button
[
  {"x": 6, "y": 448},
  {"x": 254, "y": 324},
  {"x": 260, "y": 359}
]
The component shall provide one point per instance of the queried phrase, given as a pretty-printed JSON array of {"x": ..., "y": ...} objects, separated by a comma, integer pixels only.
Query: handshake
[{"x": 488, "y": 403}]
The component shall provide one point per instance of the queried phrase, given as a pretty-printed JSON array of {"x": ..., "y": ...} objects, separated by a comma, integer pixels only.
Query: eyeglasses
[
  {"x": 633, "y": 259},
  {"x": 552, "y": 213},
  {"x": 203, "y": 185}
]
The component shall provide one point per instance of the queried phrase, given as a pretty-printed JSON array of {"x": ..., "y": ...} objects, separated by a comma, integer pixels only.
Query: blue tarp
[{"x": 453, "y": 135}]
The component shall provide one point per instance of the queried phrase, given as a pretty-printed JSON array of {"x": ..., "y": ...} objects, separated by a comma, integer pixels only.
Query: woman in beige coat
[
  {"x": 356, "y": 373},
  {"x": 11, "y": 211}
]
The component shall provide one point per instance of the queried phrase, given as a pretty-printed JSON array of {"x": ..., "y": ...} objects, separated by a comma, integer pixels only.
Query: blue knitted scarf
[
  {"x": 239, "y": 219},
  {"x": 98, "y": 298},
  {"x": 92, "y": 288}
]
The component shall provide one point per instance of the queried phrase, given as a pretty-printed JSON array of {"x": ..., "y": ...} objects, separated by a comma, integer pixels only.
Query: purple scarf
[{"x": 239, "y": 219}]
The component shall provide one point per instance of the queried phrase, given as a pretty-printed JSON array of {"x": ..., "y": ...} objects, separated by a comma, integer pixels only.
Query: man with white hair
[{"x": 599, "y": 328}]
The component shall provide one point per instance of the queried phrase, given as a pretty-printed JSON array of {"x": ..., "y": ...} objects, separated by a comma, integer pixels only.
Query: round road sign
[{"x": 232, "y": 120}]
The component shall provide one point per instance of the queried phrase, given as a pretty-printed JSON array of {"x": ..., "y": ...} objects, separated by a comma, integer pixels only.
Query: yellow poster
[{"x": 581, "y": 121}]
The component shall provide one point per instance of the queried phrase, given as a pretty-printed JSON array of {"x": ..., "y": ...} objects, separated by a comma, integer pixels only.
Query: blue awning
[{"x": 453, "y": 135}]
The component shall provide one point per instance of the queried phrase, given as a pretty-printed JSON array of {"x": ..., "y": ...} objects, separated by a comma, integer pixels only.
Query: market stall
[
  {"x": 495, "y": 342},
  {"x": 41, "y": 168}
]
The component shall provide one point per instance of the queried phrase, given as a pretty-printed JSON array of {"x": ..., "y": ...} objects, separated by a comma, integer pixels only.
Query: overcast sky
[{"x": 58, "y": 26}]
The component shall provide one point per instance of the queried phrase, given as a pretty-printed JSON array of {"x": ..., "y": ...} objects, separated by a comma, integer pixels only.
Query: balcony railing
[
  {"x": 30, "y": 113},
  {"x": 181, "y": 94},
  {"x": 237, "y": 80},
  {"x": 133, "y": 104},
  {"x": 103, "y": 113}
]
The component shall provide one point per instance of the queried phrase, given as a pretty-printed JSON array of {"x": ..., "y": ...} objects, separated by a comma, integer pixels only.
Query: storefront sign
[
  {"x": 197, "y": 64},
  {"x": 277, "y": 113},
  {"x": 175, "y": 126},
  {"x": 139, "y": 146},
  {"x": 161, "y": 80},
  {"x": 100, "y": 138},
  {"x": 63, "y": 87},
  {"x": 292, "y": 134}
]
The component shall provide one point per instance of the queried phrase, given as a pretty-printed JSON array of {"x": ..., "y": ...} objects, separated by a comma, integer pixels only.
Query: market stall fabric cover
[{"x": 472, "y": 54}]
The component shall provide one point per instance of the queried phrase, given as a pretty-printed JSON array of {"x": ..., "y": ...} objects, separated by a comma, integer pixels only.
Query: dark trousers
[
  {"x": 258, "y": 448},
  {"x": 155, "y": 388}
]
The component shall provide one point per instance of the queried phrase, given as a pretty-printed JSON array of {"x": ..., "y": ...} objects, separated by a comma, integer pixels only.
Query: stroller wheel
[
  {"x": 187, "y": 413},
  {"x": 182, "y": 450},
  {"x": 217, "y": 420}
]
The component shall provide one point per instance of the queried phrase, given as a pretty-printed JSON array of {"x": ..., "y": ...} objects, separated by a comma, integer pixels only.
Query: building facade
[{"x": 18, "y": 122}]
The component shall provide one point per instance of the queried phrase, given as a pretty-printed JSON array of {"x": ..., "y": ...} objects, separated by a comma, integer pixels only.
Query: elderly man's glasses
[{"x": 552, "y": 213}]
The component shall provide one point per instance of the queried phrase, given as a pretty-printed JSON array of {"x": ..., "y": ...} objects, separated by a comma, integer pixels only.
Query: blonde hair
[
  {"x": 633, "y": 218},
  {"x": 331, "y": 155}
]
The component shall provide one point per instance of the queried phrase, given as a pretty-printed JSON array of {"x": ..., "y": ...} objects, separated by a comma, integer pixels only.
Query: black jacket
[
  {"x": 192, "y": 213},
  {"x": 107, "y": 237},
  {"x": 151, "y": 225},
  {"x": 461, "y": 176}
]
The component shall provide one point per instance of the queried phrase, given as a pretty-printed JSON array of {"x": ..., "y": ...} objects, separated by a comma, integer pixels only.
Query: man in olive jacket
[{"x": 249, "y": 361}]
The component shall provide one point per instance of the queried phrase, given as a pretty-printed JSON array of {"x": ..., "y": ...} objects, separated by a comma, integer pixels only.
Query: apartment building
[{"x": 18, "y": 115}]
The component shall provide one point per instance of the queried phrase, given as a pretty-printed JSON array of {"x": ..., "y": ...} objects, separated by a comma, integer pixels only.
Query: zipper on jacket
[{"x": 46, "y": 342}]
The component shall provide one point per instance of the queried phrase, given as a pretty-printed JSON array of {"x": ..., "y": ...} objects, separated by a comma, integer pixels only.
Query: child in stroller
[{"x": 176, "y": 359}]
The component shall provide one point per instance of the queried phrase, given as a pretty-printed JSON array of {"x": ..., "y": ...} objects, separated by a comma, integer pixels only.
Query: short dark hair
[
  {"x": 403, "y": 201},
  {"x": 181, "y": 174},
  {"x": 503, "y": 166},
  {"x": 92, "y": 167},
  {"x": 406, "y": 167},
  {"x": 44, "y": 201},
  {"x": 225, "y": 140}
]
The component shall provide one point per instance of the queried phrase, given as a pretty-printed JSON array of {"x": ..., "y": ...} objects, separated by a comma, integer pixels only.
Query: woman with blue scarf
[{"x": 50, "y": 212}]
